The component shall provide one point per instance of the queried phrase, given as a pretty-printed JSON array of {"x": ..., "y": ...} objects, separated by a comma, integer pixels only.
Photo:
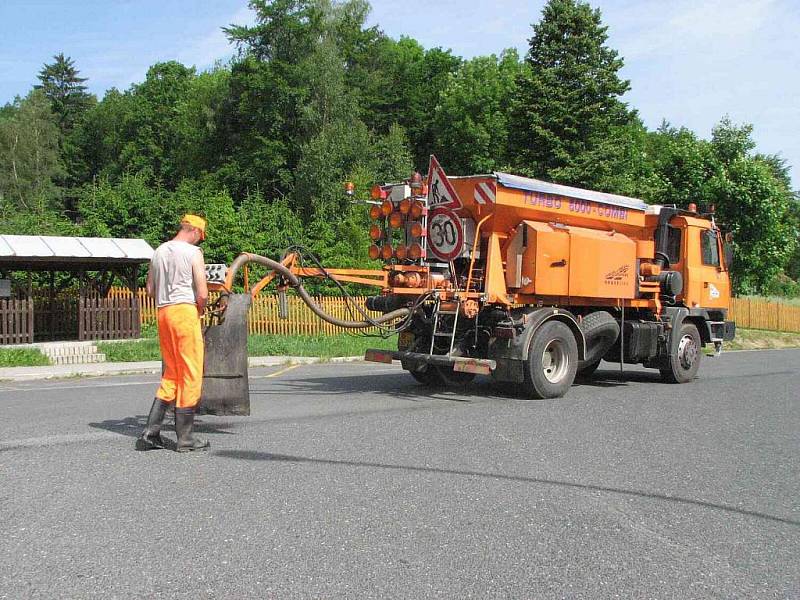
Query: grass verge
[
  {"x": 758, "y": 339},
  {"x": 324, "y": 346},
  {"x": 22, "y": 357},
  {"x": 134, "y": 351}
]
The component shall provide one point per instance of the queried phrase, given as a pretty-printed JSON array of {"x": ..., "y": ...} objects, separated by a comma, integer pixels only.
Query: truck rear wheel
[
  {"x": 453, "y": 378},
  {"x": 552, "y": 361},
  {"x": 685, "y": 362},
  {"x": 429, "y": 377}
]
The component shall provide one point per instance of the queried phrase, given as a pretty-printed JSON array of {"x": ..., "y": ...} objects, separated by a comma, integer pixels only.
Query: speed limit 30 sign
[{"x": 445, "y": 234}]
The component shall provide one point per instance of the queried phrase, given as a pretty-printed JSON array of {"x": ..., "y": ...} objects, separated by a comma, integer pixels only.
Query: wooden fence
[
  {"x": 263, "y": 318},
  {"x": 751, "y": 313},
  {"x": 16, "y": 321},
  {"x": 263, "y": 315},
  {"x": 56, "y": 318},
  {"x": 112, "y": 318}
]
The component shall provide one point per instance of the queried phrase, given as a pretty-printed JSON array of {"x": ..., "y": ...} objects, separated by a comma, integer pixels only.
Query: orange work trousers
[{"x": 181, "y": 342}]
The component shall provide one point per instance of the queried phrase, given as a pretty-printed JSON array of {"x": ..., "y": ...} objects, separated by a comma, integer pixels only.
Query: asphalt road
[{"x": 353, "y": 481}]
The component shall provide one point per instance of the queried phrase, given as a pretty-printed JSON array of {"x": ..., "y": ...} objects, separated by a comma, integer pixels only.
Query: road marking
[{"x": 281, "y": 371}]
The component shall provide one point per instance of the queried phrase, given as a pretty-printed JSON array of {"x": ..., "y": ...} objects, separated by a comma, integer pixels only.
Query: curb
[{"x": 149, "y": 367}]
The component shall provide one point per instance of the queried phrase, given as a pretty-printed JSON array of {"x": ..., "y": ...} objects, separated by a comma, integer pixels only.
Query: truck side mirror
[{"x": 727, "y": 248}]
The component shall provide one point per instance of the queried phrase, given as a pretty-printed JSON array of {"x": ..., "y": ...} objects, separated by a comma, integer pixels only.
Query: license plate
[
  {"x": 472, "y": 366},
  {"x": 405, "y": 340}
]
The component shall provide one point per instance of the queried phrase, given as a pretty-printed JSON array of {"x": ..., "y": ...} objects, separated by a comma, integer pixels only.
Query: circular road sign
[{"x": 445, "y": 234}]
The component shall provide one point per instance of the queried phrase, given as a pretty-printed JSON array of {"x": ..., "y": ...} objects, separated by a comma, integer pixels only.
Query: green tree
[
  {"x": 336, "y": 228},
  {"x": 287, "y": 85},
  {"x": 755, "y": 204},
  {"x": 128, "y": 207},
  {"x": 62, "y": 85},
  {"x": 471, "y": 118},
  {"x": 684, "y": 165},
  {"x": 793, "y": 265},
  {"x": 100, "y": 138},
  {"x": 568, "y": 99},
  {"x": 30, "y": 163},
  {"x": 153, "y": 139},
  {"x": 407, "y": 84}
]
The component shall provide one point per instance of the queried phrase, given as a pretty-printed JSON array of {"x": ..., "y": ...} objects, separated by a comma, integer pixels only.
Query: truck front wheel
[
  {"x": 683, "y": 364},
  {"x": 552, "y": 361}
]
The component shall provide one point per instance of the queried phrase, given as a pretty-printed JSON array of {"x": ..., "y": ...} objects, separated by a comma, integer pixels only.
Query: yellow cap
[{"x": 195, "y": 221}]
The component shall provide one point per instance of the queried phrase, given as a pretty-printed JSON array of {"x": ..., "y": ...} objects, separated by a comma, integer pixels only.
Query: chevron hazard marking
[{"x": 485, "y": 193}]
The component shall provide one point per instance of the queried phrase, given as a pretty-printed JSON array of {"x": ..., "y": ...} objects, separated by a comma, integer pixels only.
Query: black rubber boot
[
  {"x": 184, "y": 426},
  {"x": 151, "y": 436}
]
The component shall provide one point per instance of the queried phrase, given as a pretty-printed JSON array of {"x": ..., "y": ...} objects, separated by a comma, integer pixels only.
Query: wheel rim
[
  {"x": 687, "y": 352},
  {"x": 555, "y": 361}
]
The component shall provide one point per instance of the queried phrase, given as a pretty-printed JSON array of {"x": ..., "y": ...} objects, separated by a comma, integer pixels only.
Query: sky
[{"x": 690, "y": 62}]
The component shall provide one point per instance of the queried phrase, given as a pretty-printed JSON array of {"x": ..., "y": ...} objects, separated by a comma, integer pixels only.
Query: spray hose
[{"x": 295, "y": 282}]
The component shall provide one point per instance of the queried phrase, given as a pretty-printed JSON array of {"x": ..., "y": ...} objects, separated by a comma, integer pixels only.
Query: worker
[{"x": 177, "y": 282}]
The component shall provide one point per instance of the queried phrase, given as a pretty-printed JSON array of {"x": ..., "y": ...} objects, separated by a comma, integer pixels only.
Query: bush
[
  {"x": 22, "y": 357},
  {"x": 784, "y": 286}
]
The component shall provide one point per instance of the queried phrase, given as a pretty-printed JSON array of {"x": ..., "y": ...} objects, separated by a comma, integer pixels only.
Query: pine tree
[
  {"x": 65, "y": 90},
  {"x": 568, "y": 100}
]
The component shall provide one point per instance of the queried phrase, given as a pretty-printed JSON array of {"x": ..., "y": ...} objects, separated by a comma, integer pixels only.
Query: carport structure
[{"x": 77, "y": 305}]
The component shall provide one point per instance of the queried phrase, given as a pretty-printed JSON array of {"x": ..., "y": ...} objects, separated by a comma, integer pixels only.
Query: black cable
[{"x": 350, "y": 304}]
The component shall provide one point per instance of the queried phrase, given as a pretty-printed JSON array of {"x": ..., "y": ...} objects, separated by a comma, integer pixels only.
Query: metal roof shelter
[
  {"x": 63, "y": 312},
  {"x": 51, "y": 253}
]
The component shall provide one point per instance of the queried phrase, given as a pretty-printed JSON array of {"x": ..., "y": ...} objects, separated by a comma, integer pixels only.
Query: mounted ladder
[{"x": 444, "y": 332}]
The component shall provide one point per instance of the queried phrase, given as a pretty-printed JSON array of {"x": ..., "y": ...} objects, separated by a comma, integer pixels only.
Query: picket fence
[
  {"x": 263, "y": 316},
  {"x": 749, "y": 313}
]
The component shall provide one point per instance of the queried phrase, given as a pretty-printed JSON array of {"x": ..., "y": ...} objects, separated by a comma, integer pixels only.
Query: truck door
[{"x": 708, "y": 281}]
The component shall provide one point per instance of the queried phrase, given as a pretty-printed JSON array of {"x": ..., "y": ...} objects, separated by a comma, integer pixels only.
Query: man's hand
[{"x": 200, "y": 285}]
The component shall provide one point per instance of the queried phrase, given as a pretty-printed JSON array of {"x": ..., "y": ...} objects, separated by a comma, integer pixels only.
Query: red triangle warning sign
[{"x": 440, "y": 191}]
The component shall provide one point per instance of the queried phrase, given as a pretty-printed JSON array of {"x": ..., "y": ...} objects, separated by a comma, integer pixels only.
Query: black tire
[
  {"x": 430, "y": 377},
  {"x": 586, "y": 370},
  {"x": 452, "y": 378},
  {"x": 601, "y": 330},
  {"x": 552, "y": 361},
  {"x": 685, "y": 362}
]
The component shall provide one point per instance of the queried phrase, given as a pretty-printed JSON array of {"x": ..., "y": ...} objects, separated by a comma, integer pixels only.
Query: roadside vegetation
[
  {"x": 324, "y": 346},
  {"x": 791, "y": 301},
  {"x": 22, "y": 357},
  {"x": 758, "y": 339}
]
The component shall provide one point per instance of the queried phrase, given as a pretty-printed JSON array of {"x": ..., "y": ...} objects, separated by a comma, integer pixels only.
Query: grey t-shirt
[{"x": 171, "y": 272}]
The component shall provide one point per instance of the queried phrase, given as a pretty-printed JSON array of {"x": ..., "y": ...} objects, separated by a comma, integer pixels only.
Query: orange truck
[
  {"x": 532, "y": 282},
  {"x": 535, "y": 283}
]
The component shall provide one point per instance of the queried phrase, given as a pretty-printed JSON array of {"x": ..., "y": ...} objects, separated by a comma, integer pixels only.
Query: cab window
[
  {"x": 709, "y": 249},
  {"x": 674, "y": 244}
]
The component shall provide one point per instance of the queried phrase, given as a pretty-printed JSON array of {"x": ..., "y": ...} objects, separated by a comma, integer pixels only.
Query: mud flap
[{"x": 225, "y": 381}]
